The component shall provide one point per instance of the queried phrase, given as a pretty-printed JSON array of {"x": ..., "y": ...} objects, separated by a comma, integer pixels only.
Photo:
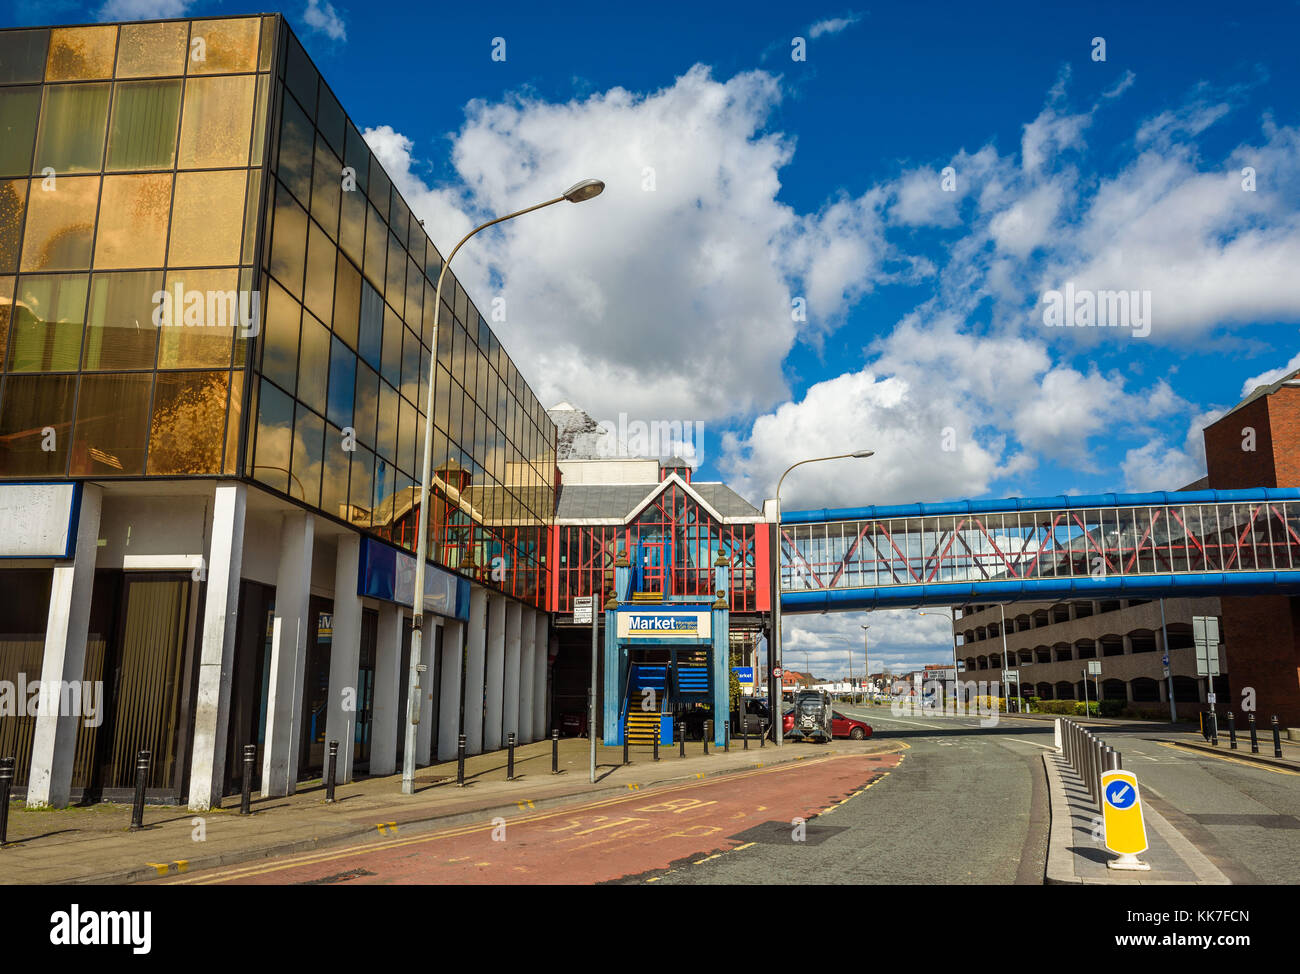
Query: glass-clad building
[{"x": 217, "y": 317}]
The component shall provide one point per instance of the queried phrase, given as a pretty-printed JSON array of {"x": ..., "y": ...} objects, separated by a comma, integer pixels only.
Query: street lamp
[
  {"x": 952, "y": 614},
  {"x": 577, "y": 193},
  {"x": 774, "y": 655},
  {"x": 866, "y": 662}
]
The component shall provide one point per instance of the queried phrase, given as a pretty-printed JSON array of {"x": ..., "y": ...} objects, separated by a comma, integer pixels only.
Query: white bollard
[{"x": 1057, "y": 723}]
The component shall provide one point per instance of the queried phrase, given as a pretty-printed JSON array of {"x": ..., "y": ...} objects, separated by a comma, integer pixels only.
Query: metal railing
[{"x": 1088, "y": 755}]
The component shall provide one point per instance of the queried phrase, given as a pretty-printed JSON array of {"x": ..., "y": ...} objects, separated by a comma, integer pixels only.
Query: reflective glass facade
[{"x": 204, "y": 271}]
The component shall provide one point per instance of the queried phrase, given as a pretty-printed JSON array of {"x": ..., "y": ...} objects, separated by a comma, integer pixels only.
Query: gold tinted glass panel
[
  {"x": 133, "y": 221},
  {"x": 218, "y": 122},
  {"x": 313, "y": 363},
  {"x": 120, "y": 329},
  {"x": 289, "y": 242},
  {"x": 112, "y": 425},
  {"x": 47, "y": 327},
  {"x": 31, "y": 403},
  {"x": 81, "y": 53},
  {"x": 207, "y": 218},
  {"x": 274, "y": 437},
  {"x": 142, "y": 134},
  {"x": 19, "y": 109},
  {"x": 227, "y": 46},
  {"x": 318, "y": 293},
  {"x": 13, "y": 202},
  {"x": 151, "y": 50},
  {"x": 60, "y": 225},
  {"x": 6, "y": 309},
  {"x": 376, "y": 249},
  {"x": 308, "y": 456},
  {"x": 73, "y": 120},
  {"x": 187, "y": 428},
  {"x": 202, "y": 323},
  {"x": 233, "y": 420},
  {"x": 347, "y": 301}
]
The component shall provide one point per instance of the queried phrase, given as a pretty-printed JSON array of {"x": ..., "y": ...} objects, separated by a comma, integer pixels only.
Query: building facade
[{"x": 217, "y": 318}]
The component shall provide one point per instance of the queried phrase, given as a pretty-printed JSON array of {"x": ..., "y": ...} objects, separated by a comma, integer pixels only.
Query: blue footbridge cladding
[{"x": 1150, "y": 545}]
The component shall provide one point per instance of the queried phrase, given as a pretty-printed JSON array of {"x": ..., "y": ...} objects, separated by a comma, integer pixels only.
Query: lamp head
[
  {"x": 863, "y": 454},
  {"x": 584, "y": 190}
]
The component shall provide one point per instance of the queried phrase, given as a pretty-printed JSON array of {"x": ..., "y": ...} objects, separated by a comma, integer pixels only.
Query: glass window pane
[
  {"x": 367, "y": 407},
  {"x": 371, "y": 337},
  {"x": 47, "y": 328},
  {"x": 73, "y": 121},
  {"x": 218, "y": 122},
  {"x": 326, "y": 182},
  {"x": 274, "y": 437},
  {"x": 352, "y": 226},
  {"x": 414, "y": 294},
  {"x": 395, "y": 288},
  {"x": 379, "y": 187},
  {"x": 318, "y": 292},
  {"x": 313, "y": 363},
  {"x": 297, "y": 143},
  {"x": 392, "y": 360},
  {"x": 399, "y": 216},
  {"x": 151, "y": 50},
  {"x": 223, "y": 46},
  {"x": 410, "y": 365},
  {"x": 143, "y": 131},
  {"x": 280, "y": 337},
  {"x": 233, "y": 420},
  {"x": 251, "y": 200},
  {"x": 19, "y": 108},
  {"x": 79, "y": 53},
  {"x": 112, "y": 424},
  {"x": 6, "y": 308},
  {"x": 289, "y": 242},
  {"x": 133, "y": 221},
  {"x": 347, "y": 300},
  {"x": 268, "y": 43},
  {"x": 187, "y": 430},
  {"x": 376, "y": 248},
  {"x": 31, "y": 404},
  {"x": 22, "y": 55},
  {"x": 330, "y": 119},
  {"x": 334, "y": 483},
  {"x": 207, "y": 218},
  {"x": 261, "y": 99},
  {"x": 360, "y": 487},
  {"x": 381, "y": 515},
  {"x": 308, "y": 457},
  {"x": 343, "y": 372},
  {"x": 358, "y": 159},
  {"x": 120, "y": 329},
  {"x": 406, "y": 438},
  {"x": 13, "y": 202},
  {"x": 300, "y": 76},
  {"x": 199, "y": 331}
]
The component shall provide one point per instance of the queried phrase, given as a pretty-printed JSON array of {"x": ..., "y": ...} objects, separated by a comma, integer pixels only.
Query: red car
[{"x": 841, "y": 726}]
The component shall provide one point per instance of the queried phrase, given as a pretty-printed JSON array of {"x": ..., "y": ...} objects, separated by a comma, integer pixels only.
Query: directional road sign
[{"x": 1121, "y": 808}]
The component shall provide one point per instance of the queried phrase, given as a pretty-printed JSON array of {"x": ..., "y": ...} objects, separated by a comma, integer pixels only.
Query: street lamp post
[
  {"x": 866, "y": 661},
  {"x": 774, "y": 654},
  {"x": 952, "y": 615},
  {"x": 577, "y": 193}
]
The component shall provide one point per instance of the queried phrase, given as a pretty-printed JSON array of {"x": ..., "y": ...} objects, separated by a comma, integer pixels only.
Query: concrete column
[
  {"x": 513, "y": 680},
  {"x": 217, "y": 647},
  {"x": 527, "y": 673},
  {"x": 496, "y": 673},
  {"x": 541, "y": 718},
  {"x": 388, "y": 710},
  {"x": 345, "y": 657},
  {"x": 424, "y": 730},
  {"x": 453, "y": 648},
  {"x": 475, "y": 669},
  {"x": 55, "y": 742},
  {"x": 288, "y": 656},
  {"x": 1127, "y": 640}
]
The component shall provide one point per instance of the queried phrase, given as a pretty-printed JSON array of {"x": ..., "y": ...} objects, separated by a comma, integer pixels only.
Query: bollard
[
  {"x": 510, "y": 757},
  {"x": 555, "y": 751},
  {"x": 1232, "y": 732},
  {"x": 708, "y": 732},
  {"x": 141, "y": 777},
  {"x": 657, "y": 741},
  {"x": 6, "y": 782},
  {"x": 1112, "y": 759},
  {"x": 744, "y": 730},
  {"x": 246, "y": 795},
  {"x": 681, "y": 738},
  {"x": 1214, "y": 727},
  {"x": 625, "y": 760},
  {"x": 332, "y": 771},
  {"x": 460, "y": 760},
  {"x": 1277, "y": 738},
  {"x": 1254, "y": 740},
  {"x": 726, "y": 737}
]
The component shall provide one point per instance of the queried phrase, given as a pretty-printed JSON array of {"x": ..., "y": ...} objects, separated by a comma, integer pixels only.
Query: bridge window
[{"x": 1145, "y": 690}]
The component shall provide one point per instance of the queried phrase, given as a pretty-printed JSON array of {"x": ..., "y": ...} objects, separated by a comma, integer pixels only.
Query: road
[{"x": 953, "y": 802}]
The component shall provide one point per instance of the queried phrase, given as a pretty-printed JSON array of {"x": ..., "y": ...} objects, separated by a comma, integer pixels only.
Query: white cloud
[
  {"x": 144, "y": 9},
  {"x": 833, "y": 25},
  {"x": 1158, "y": 466},
  {"x": 1269, "y": 377},
  {"x": 323, "y": 18}
]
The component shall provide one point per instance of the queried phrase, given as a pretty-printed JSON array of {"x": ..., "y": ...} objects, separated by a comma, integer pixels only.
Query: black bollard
[
  {"x": 625, "y": 760},
  {"x": 1254, "y": 740},
  {"x": 331, "y": 771},
  {"x": 141, "y": 778},
  {"x": 555, "y": 751},
  {"x": 6, "y": 782},
  {"x": 657, "y": 726},
  {"x": 708, "y": 732},
  {"x": 510, "y": 757},
  {"x": 681, "y": 738},
  {"x": 1232, "y": 731},
  {"x": 1277, "y": 738},
  {"x": 460, "y": 760},
  {"x": 246, "y": 794},
  {"x": 744, "y": 730}
]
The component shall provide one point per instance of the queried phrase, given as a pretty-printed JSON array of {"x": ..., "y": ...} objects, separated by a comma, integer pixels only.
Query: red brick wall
[
  {"x": 1261, "y": 636},
  {"x": 1284, "y": 424},
  {"x": 1229, "y": 466}
]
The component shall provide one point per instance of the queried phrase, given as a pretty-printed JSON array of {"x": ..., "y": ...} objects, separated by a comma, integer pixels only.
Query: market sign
[{"x": 660, "y": 626}]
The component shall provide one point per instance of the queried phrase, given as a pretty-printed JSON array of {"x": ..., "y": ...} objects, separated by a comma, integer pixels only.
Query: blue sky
[{"x": 743, "y": 182}]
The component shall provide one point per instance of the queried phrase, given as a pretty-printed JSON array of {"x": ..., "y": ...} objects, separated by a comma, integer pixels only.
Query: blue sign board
[{"x": 745, "y": 674}]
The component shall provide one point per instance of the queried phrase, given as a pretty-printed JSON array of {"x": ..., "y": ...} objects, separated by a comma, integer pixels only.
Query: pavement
[
  {"x": 1076, "y": 854},
  {"x": 94, "y": 845}
]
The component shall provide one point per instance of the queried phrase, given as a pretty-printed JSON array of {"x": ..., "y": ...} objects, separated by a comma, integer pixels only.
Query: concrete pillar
[
  {"x": 217, "y": 647},
  {"x": 424, "y": 730},
  {"x": 1127, "y": 640},
  {"x": 541, "y": 719},
  {"x": 453, "y": 649},
  {"x": 288, "y": 656},
  {"x": 513, "y": 680},
  {"x": 494, "y": 681},
  {"x": 475, "y": 669},
  {"x": 345, "y": 657},
  {"x": 388, "y": 710},
  {"x": 527, "y": 673},
  {"x": 55, "y": 742}
]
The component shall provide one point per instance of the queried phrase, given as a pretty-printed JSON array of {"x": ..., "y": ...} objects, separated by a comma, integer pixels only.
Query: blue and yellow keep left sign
[{"x": 1121, "y": 808}]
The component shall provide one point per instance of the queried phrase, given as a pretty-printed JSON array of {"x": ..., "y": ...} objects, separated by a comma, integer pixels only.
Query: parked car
[{"x": 842, "y": 726}]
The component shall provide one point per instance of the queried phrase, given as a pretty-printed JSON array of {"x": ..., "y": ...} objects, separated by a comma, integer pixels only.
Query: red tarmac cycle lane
[{"x": 593, "y": 842}]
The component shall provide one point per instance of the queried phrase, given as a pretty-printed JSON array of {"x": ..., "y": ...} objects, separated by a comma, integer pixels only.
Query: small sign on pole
[
  {"x": 1205, "y": 631},
  {"x": 582, "y": 610},
  {"x": 1094, "y": 667}
]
